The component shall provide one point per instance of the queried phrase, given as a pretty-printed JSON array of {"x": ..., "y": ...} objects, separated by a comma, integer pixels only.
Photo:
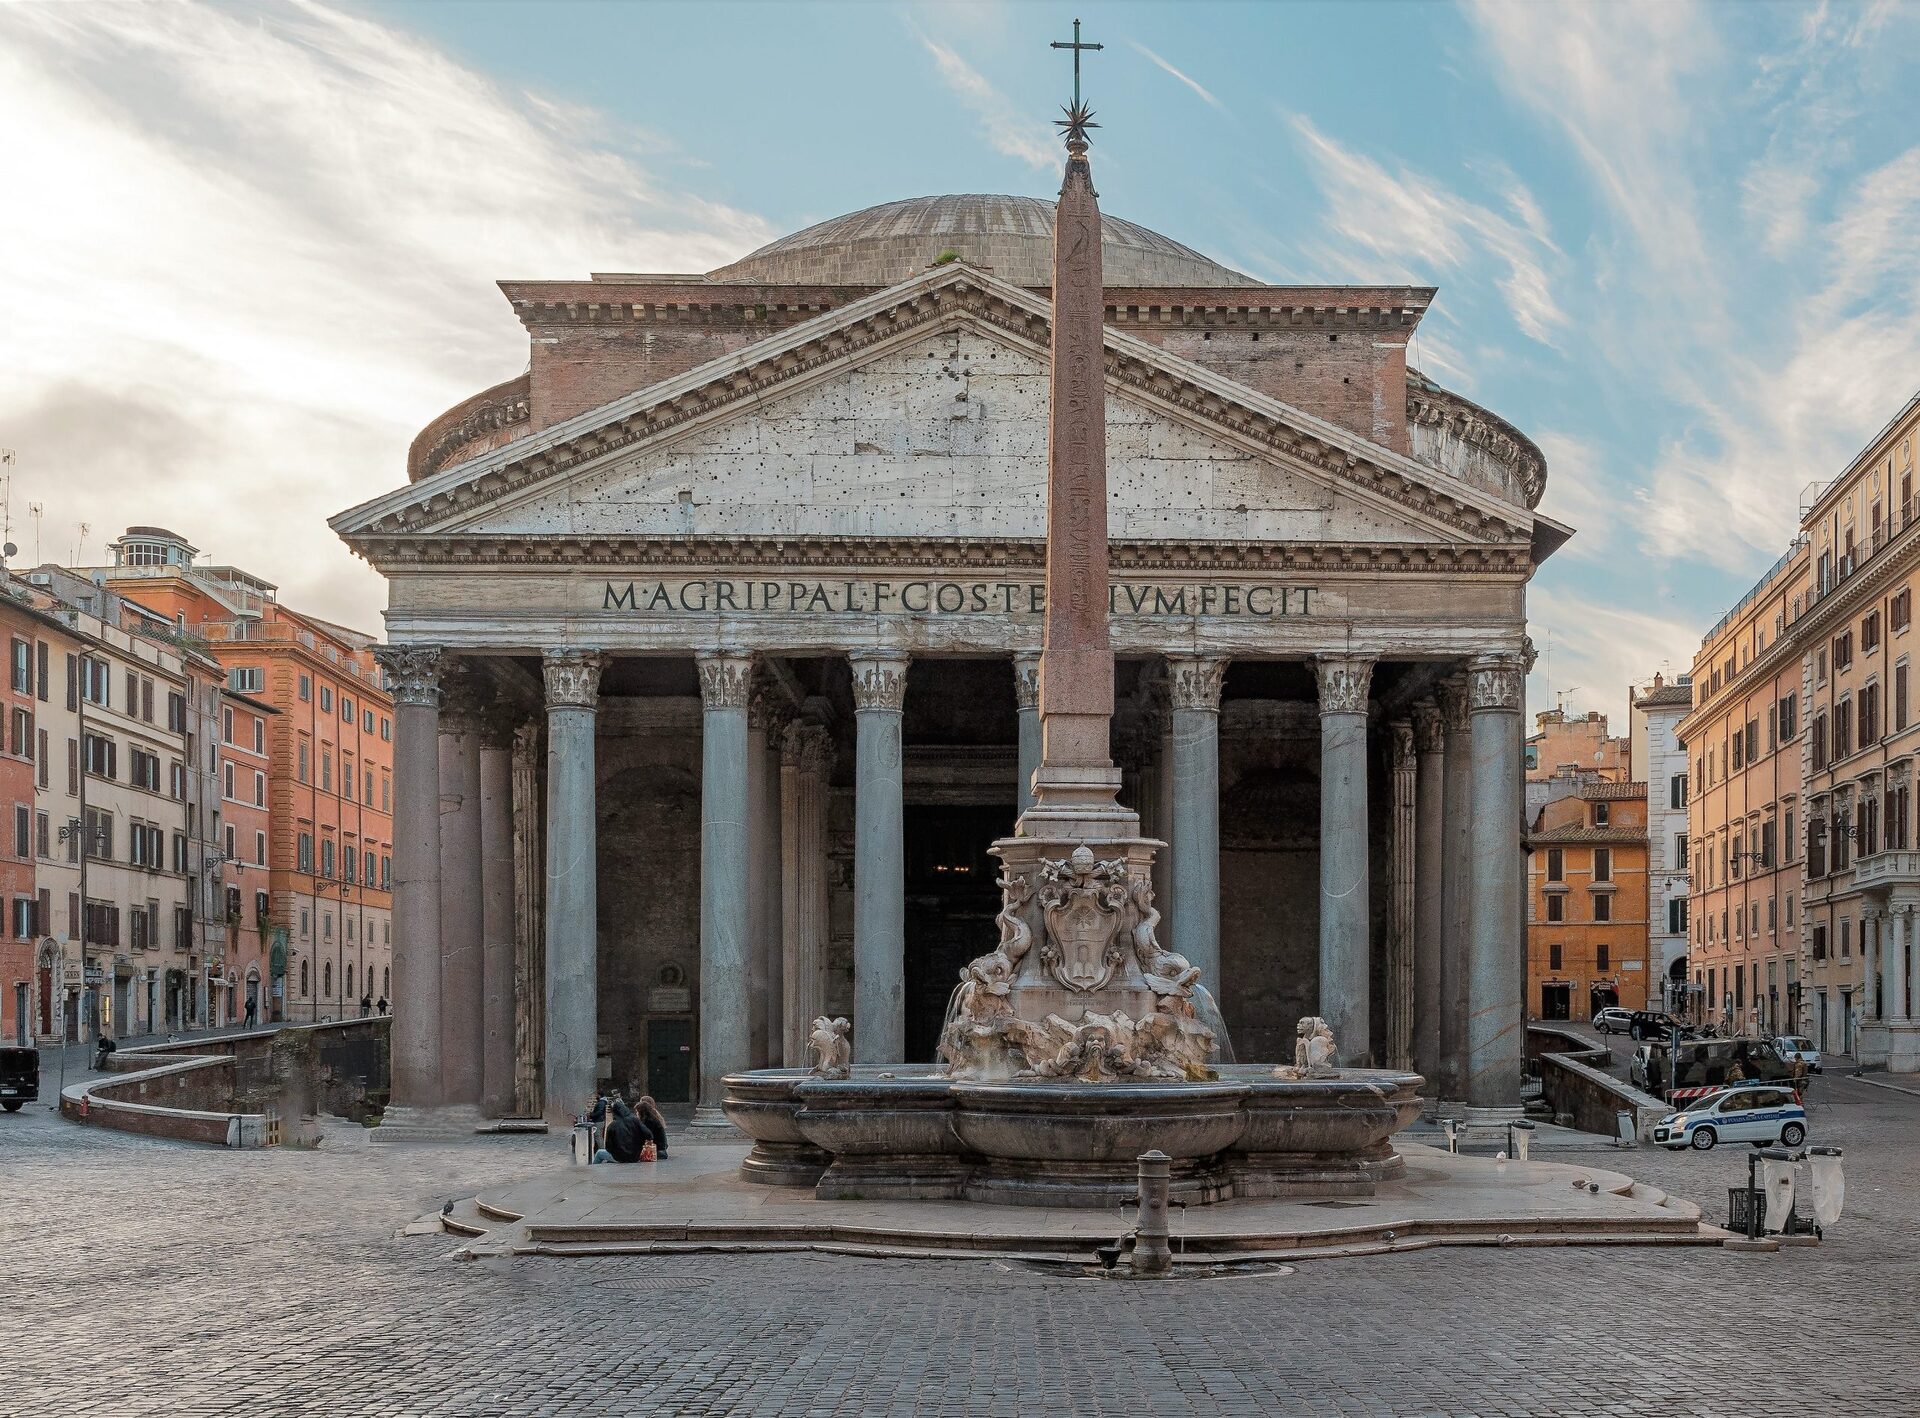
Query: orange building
[
  {"x": 1587, "y": 899},
  {"x": 26, "y": 678},
  {"x": 1575, "y": 743},
  {"x": 310, "y": 693}
]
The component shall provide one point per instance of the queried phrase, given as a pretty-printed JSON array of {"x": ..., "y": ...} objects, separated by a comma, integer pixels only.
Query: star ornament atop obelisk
[{"x": 1076, "y": 787}]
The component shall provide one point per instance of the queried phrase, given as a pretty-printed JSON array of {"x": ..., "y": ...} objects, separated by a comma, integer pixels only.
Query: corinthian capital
[
  {"x": 1496, "y": 682},
  {"x": 879, "y": 681},
  {"x": 1194, "y": 681},
  {"x": 573, "y": 678},
  {"x": 1026, "y": 679},
  {"x": 1402, "y": 743},
  {"x": 413, "y": 673},
  {"x": 807, "y": 747},
  {"x": 1452, "y": 694},
  {"x": 1428, "y": 726},
  {"x": 726, "y": 681},
  {"x": 1344, "y": 681}
]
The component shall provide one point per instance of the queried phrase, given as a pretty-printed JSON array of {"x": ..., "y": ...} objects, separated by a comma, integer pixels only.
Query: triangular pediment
[{"x": 922, "y": 412}]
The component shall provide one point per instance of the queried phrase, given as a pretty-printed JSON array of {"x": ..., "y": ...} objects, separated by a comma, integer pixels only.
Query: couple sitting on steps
[{"x": 632, "y": 1134}]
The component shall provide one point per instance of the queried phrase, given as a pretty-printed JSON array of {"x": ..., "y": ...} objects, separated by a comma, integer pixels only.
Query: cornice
[
  {"x": 866, "y": 328},
  {"x": 458, "y": 551}
]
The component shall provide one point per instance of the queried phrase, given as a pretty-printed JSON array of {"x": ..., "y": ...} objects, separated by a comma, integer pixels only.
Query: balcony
[{"x": 1887, "y": 869}]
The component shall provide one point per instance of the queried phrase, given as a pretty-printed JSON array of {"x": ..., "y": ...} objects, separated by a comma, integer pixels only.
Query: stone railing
[
  {"x": 236, "y": 1090},
  {"x": 1576, "y": 1085},
  {"x": 489, "y": 418}
]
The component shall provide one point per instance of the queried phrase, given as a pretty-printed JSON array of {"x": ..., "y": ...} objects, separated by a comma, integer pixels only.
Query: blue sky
[{"x": 1679, "y": 245}]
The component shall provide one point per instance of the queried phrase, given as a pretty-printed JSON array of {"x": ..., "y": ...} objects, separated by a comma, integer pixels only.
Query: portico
[{"x": 722, "y": 687}]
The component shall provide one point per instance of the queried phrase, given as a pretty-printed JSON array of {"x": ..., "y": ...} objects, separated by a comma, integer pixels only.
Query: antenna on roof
[{"x": 36, "y": 510}]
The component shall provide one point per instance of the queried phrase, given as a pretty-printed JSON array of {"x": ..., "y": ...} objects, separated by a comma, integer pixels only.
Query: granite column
[
  {"x": 1456, "y": 875},
  {"x": 1026, "y": 693},
  {"x": 497, "y": 920},
  {"x": 413, "y": 677},
  {"x": 1496, "y": 946},
  {"x": 763, "y": 876},
  {"x": 462, "y": 982},
  {"x": 1430, "y": 823},
  {"x": 572, "y": 885},
  {"x": 1345, "y": 892},
  {"x": 726, "y": 1028},
  {"x": 1401, "y": 841},
  {"x": 806, "y": 759},
  {"x": 1193, "y": 689},
  {"x": 879, "y": 861}
]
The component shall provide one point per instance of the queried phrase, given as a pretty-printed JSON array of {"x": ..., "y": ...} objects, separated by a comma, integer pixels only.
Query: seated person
[
  {"x": 653, "y": 1121},
  {"x": 626, "y": 1135}
]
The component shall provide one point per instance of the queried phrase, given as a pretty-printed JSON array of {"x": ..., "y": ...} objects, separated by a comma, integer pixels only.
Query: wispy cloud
[
  {"x": 1591, "y": 648},
  {"x": 262, "y": 246},
  {"x": 1400, "y": 225},
  {"x": 1205, "y": 93},
  {"x": 1007, "y": 129}
]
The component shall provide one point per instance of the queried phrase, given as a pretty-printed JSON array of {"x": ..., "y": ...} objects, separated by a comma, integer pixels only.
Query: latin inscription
[{"x": 1017, "y": 598}]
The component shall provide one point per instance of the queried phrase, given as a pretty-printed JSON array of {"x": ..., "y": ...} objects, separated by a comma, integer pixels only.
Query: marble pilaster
[
  {"x": 1345, "y": 896},
  {"x": 572, "y": 871},
  {"x": 879, "y": 860},
  {"x": 726, "y": 1004},
  {"x": 1429, "y": 904},
  {"x": 806, "y": 762},
  {"x": 1496, "y": 977},
  {"x": 1193, "y": 688},
  {"x": 413, "y": 677},
  {"x": 1026, "y": 693}
]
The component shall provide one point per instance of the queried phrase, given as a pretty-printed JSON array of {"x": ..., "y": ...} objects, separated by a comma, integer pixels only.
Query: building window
[
  {"x": 23, "y": 667},
  {"x": 1556, "y": 908},
  {"x": 386, "y": 728},
  {"x": 1554, "y": 957},
  {"x": 1556, "y": 864},
  {"x": 303, "y": 978},
  {"x": 1600, "y": 957},
  {"x": 101, "y": 756},
  {"x": 1842, "y": 650},
  {"x": 244, "y": 679},
  {"x": 1870, "y": 631},
  {"x": 366, "y": 721},
  {"x": 346, "y": 709},
  {"x": 259, "y": 788},
  {"x": 1846, "y": 939},
  {"x": 1900, "y": 695},
  {"x": 259, "y": 849},
  {"x": 1602, "y": 906},
  {"x": 302, "y": 768},
  {"x": 1603, "y": 864},
  {"x": 326, "y": 699},
  {"x": 1843, "y": 729},
  {"x": 1677, "y": 916},
  {"x": 306, "y": 686},
  {"x": 1900, "y": 610},
  {"x": 1602, "y": 812},
  {"x": 1677, "y": 791},
  {"x": 303, "y": 860}
]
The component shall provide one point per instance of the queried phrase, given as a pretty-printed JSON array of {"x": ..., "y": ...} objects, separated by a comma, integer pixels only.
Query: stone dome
[{"x": 1011, "y": 236}]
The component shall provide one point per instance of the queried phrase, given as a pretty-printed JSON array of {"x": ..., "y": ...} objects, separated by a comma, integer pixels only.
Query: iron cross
[{"x": 1076, "y": 46}]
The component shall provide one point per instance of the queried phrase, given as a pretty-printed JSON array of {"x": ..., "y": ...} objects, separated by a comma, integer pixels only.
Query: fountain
[{"x": 1078, "y": 1042}]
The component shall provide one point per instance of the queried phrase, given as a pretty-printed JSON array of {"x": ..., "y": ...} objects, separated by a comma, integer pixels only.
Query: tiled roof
[
  {"x": 1597, "y": 792},
  {"x": 1666, "y": 695},
  {"x": 1573, "y": 835}
]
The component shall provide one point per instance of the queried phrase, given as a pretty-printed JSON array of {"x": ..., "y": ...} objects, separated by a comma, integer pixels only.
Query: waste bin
[{"x": 1737, "y": 1198}]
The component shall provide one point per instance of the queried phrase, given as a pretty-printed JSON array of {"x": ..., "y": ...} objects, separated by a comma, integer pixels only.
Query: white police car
[{"x": 1757, "y": 1113}]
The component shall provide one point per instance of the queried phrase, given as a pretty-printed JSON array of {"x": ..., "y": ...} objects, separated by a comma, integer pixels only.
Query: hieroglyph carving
[
  {"x": 1194, "y": 681},
  {"x": 413, "y": 673},
  {"x": 1344, "y": 682},
  {"x": 573, "y": 678},
  {"x": 726, "y": 681},
  {"x": 879, "y": 681},
  {"x": 1496, "y": 682}
]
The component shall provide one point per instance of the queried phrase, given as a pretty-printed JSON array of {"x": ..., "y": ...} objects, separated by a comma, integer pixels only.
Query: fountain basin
[{"x": 1069, "y": 1143}]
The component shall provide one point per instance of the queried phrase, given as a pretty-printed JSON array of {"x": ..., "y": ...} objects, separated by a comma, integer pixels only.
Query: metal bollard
[
  {"x": 1451, "y": 1126},
  {"x": 1519, "y": 1139},
  {"x": 1152, "y": 1257}
]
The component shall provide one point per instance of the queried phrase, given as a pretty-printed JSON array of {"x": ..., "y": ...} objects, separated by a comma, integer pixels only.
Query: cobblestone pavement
[{"x": 151, "y": 1278}]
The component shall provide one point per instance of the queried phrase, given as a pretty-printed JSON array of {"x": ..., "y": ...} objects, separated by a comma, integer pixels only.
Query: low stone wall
[
  {"x": 1574, "y": 1081},
  {"x": 232, "y": 1091}
]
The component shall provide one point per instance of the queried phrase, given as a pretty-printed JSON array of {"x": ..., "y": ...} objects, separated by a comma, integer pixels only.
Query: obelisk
[{"x": 1076, "y": 786}]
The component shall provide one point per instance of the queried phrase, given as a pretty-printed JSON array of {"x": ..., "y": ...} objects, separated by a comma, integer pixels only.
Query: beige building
[{"x": 1856, "y": 644}]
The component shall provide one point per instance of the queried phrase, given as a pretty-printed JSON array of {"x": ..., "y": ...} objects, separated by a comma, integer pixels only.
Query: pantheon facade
[{"x": 714, "y": 637}]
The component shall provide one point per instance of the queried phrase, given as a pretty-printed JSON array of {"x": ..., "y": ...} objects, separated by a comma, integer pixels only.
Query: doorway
[
  {"x": 951, "y": 903},
  {"x": 670, "y": 1060},
  {"x": 1601, "y": 997},
  {"x": 21, "y": 1032},
  {"x": 1555, "y": 1001}
]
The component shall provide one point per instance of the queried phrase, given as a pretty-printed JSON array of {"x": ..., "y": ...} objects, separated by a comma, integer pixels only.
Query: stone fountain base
[{"x": 885, "y": 1134}]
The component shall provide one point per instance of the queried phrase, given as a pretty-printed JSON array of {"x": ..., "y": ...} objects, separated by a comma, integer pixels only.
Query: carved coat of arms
[{"x": 1083, "y": 905}]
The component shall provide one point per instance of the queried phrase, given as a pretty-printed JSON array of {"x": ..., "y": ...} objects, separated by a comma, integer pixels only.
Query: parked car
[
  {"x": 1799, "y": 1046},
  {"x": 1760, "y": 1116},
  {"x": 1712, "y": 1063},
  {"x": 1612, "y": 1019},
  {"x": 19, "y": 1077}
]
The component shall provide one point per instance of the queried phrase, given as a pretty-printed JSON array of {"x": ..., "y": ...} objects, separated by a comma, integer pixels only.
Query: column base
[
  {"x": 448, "y": 1124},
  {"x": 715, "y": 1118},
  {"x": 1903, "y": 1046},
  {"x": 1485, "y": 1129}
]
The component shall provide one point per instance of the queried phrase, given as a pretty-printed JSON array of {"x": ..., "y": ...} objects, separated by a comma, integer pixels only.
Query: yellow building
[{"x": 1587, "y": 899}]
